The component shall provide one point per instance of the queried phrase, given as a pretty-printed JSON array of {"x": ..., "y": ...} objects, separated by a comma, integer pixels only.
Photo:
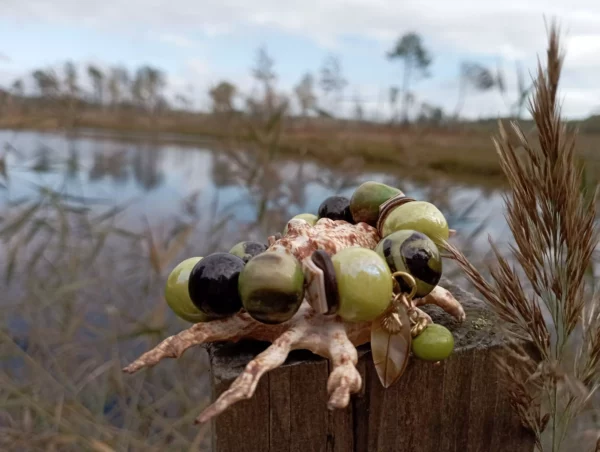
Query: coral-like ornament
[{"x": 313, "y": 326}]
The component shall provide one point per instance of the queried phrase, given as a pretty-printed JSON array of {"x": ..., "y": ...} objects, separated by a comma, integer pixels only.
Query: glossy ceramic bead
[
  {"x": 364, "y": 283},
  {"x": 271, "y": 287},
  {"x": 418, "y": 216},
  {"x": 213, "y": 284},
  {"x": 177, "y": 295},
  {"x": 435, "y": 343},
  {"x": 414, "y": 253}
]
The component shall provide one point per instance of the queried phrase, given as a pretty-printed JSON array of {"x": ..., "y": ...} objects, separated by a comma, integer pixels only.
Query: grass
[
  {"x": 548, "y": 298},
  {"x": 79, "y": 295}
]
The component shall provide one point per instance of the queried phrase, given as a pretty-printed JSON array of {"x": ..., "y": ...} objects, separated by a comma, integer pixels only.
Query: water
[{"x": 159, "y": 182}]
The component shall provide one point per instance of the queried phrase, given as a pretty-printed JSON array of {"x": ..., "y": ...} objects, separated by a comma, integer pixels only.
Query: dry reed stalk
[{"x": 552, "y": 222}]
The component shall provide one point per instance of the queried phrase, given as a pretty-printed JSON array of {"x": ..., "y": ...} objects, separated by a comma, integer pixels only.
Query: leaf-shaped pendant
[{"x": 390, "y": 349}]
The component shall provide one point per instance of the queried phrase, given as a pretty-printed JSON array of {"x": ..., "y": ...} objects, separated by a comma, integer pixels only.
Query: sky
[{"x": 199, "y": 43}]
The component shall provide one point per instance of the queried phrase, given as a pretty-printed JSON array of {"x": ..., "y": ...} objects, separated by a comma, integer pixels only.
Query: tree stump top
[{"x": 457, "y": 405}]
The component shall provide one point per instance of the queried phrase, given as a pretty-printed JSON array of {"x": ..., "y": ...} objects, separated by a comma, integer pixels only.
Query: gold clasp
[
  {"x": 406, "y": 300},
  {"x": 408, "y": 278}
]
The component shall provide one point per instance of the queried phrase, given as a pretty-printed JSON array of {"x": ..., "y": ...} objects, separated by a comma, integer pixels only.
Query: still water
[{"x": 231, "y": 195}]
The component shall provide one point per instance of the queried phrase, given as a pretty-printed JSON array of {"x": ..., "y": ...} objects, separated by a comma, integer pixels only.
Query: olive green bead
[
  {"x": 366, "y": 199},
  {"x": 308, "y": 217},
  {"x": 271, "y": 287},
  {"x": 434, "y": 343},
  {"x": 419, "y": 216},
  {"x": 364, "y": 284},
  {"x": 414, "y": 253},
  {"x": 177, "y": 294}
]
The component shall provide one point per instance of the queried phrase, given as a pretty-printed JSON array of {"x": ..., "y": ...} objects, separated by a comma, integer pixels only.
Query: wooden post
[{"x": 457, "y": 405}]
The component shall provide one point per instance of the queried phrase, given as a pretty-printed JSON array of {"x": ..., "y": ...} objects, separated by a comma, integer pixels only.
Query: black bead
[
  {"x": 253, "y": 249},
  {"x": 336, "y": 208},
  {"x": 213, "y": 284},
  {"x": 323, "y": 261}
]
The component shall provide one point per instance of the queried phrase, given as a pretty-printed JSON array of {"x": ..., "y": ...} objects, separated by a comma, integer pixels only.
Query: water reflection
[
  {"x": 113, "y": 165},
  {"x": 42, "y": 160},
  {"x": 146, "y": 165},
  {"x": 234, "y": 194}
]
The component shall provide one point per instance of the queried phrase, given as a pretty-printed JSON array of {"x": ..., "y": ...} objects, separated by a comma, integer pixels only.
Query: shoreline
[{"x": 461, "y": 154}]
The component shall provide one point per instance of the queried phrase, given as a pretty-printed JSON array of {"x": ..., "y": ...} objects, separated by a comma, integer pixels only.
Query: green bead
[
  {"x": 271, "y": 287},
  {"x": 419, "y": 216},
  {"x": 414, "y": 253},
  {"x": 177, "y": 294},
  {"x": 366, "y": 199},
  {"x": 308, "y": 217},
  {"x": 435, "y": 343},
  {"x": 364, "y": 284}
]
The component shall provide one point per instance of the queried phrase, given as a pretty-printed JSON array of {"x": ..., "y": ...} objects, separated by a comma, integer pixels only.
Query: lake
[{"x": 158, "y": 182}]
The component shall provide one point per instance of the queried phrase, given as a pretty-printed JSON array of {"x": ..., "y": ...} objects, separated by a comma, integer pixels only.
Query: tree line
[
  {"x": 144, "y": 87},
  {"x": 113, "y": 87}
]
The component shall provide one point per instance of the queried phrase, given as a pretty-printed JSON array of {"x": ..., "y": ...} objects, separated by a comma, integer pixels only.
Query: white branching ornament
[{"x": 328, "y": 336}]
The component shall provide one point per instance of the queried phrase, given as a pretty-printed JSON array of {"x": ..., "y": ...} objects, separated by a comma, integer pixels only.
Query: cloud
[
  {"x": 510, "y": 29},
  {"x": 177, "y": 40},
  {"x": 507, "y": 31},
  {"x": 198, "y": 66},
  {"x": 4, "y": 58},
  {"x": 468, "y": 24},
  {"x": 583, "y": 51}
]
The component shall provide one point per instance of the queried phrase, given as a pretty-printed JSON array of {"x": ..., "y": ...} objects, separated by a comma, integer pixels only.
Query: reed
[{"x": 544, "y": 298}]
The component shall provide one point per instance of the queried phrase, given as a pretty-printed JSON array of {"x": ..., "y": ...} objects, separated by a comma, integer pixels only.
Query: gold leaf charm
[{"x": 390, "y": 345}]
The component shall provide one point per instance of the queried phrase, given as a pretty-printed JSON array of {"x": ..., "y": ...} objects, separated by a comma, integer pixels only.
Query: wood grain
[{"x": 457, "y": 405}]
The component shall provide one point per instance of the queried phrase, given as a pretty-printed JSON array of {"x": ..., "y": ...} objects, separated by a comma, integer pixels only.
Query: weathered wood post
[{"x": 456, "y": 405}]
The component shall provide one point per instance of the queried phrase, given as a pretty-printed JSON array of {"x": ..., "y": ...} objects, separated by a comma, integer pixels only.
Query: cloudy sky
[{"x": 198, "y": 43}]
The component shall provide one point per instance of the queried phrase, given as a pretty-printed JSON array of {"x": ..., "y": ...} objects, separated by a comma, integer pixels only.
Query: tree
[
  {"x": 46, "y": 82},
  {"x": 137, "y": 90},
  {"x": 117, "y": 85},
  {"x": 305, "y": 93},
  {"x": 147, "y": 87},
  {"x": 410, "y": 49},
  {"x": 222, "y": 97},
  {"x": 476, "y": 76},
  {"x": 71, "y": 79},
  {"x": 332, "y": 80},
  {"x": 186, "y": 99},
  {"x": 394, "y": 91},
  {"x": 430, "y": 114},
  {"x": 17, "y": 88},
  {"x": 183, "y": 100},
  {"x": 264, "y": 73},
  {"x": 359, "y": 112},
  {"x": 97, "y": 79},
  {"x": 155, "y": 81},
  {"x": 523, "y": 91}
]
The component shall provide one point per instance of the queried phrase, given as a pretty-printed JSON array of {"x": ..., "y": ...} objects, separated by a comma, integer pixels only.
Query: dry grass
[
  {"x": 461, "y": 152},
  {"x": 78, "y": 296},
  {"x": 458, "y": 151},
  {"x": 551, "y": 216}
]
